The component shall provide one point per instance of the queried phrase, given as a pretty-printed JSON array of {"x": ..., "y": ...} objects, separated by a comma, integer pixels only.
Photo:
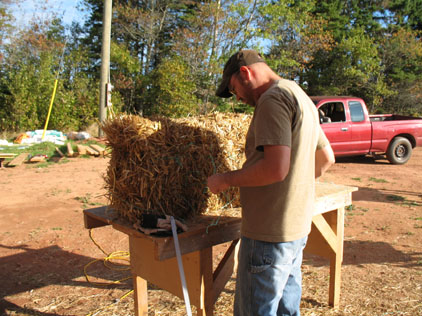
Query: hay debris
[{"x": 160, "y": 165}]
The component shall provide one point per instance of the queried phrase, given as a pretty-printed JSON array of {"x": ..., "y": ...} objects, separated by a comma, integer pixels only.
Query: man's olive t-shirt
[{"x": 282, "y": 211}]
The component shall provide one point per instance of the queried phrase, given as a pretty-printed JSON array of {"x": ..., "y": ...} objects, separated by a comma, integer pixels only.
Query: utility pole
[{"x": 105, "y": 61}]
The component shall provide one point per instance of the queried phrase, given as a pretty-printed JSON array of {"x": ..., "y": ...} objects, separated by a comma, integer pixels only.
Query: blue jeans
[{"x": 269, "y": 278}]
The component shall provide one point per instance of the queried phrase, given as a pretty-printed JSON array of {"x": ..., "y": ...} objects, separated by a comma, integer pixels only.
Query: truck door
[
  {"x": 361, "y": 128},
  {"x": 335, "y": 126}
]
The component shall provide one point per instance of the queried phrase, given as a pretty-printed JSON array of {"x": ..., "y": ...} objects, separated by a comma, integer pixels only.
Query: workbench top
[{"x": 206, "y": 230}]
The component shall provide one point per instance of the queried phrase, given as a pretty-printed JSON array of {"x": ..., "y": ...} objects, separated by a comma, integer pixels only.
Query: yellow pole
[{"x": 49, "y": 110}]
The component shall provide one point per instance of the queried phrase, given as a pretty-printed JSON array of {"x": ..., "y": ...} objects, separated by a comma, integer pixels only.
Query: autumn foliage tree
[{"x": 167, "y": 56}]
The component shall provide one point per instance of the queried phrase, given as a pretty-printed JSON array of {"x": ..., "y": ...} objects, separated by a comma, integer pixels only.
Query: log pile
[{"x": 160, "y": 165}]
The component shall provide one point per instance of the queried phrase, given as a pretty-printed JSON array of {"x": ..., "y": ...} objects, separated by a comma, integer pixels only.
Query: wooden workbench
[{"x": 153, "y": 260}]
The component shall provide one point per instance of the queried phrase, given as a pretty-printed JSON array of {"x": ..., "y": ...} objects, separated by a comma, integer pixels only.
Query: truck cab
[{"x": 346, "y": 124}]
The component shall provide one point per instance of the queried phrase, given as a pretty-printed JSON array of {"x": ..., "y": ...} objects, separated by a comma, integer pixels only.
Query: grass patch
[
  {"x": 46, "y": 148},
  {"x": 378, "y": 180},
  {"x": 357, "y": 179},
  {"x": 402, "y": 200},
  {"x": 411, "y": 203},
  {"x": 350, "y": 207},
  {"x": 395, "y": 198},
  {"x": 349, "y": 210},
  {"x": 86, "y": 200},
  {"x": 385, "y": 228}
]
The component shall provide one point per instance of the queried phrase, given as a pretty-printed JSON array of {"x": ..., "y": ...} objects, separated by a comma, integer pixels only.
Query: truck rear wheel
[{"x": 399, "y": 151}]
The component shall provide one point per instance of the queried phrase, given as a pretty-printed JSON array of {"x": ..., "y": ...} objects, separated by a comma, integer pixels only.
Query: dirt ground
[{"x": 44, "y": 246}]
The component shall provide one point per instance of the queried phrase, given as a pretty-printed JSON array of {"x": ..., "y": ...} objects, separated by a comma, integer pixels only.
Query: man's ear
[{"x": 245, "y": 73}]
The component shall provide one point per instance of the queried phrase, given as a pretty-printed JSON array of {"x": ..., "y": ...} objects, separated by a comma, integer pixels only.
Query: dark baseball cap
[{"x": 244, "y": 57}]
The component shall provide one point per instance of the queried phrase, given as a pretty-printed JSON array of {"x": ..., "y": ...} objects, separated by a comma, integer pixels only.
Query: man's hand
[
  {"x": 217, "y": 183},
  {"x": 324, "y": 159},
  {"x": 273, "y": 167}
]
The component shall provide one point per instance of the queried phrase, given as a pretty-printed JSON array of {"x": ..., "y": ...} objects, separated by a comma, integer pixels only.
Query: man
[{"x": 285, "y": 151}]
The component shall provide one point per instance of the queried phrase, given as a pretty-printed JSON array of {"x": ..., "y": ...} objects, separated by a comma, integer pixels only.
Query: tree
[
  {"x": 33, "y": 61},
  {"x": 172, "y": 89},
  {"x": 6, "y": 19},
  {"x": 91, "y": 33},
  {"x": 402, "y": 57},
  {"x": 353, "y": 67},
  {"x": 406, "y": 13},
  {"x": 293, "y": 34}
]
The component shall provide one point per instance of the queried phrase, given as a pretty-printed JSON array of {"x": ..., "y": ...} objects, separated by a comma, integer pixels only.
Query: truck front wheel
[{"x": 399, "y": 151}]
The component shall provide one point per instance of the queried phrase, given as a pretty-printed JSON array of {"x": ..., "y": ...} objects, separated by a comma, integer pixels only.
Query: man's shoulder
[{"x": 280, "y": 92}]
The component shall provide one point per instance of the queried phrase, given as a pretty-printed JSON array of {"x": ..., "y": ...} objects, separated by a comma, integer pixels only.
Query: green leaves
[
  {"x": 172, "y": 89},
  {"x": 33, "y": 61},
  {"x": 167, "y": 56}
]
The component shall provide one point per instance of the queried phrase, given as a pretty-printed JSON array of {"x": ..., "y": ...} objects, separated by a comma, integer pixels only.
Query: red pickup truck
[{"x": 353, "y": 132}]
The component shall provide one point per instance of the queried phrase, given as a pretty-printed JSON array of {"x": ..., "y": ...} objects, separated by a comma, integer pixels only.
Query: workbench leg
[
  {"x": 337, "y": 224},
  {"x": 140, "y": 296},
  {"x": 206, "y": 307}
]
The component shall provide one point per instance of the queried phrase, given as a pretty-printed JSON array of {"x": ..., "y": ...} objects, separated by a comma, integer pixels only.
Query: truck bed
[{"x": 392, "y": 117}]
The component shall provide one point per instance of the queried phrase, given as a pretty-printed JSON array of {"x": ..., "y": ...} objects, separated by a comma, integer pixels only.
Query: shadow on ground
[
  {"x": 388, "y": 195},
  {"x": 379, "y": 160},
  {"x": 32, "y": 269},
  {"x": 359, "y": 252}
]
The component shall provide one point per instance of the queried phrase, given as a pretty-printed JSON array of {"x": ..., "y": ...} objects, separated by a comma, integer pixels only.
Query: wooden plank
[
  {"x": 92, "y": 152},
  {"x": 98, "y": 148},
  {"x": 224, "y": 270},
  {"x": 317, "y": 244},
  {"x": 93, "y": 222},
  {"x": 196, "y": 238},
  {"x": 81, "y": 149},
  {"x": 60, "y": 152},
  {"x": 86, "y": 150},
  {"x": 337, "y": 223},
  {"x": 70, "y": 152},
  {"x": 331, "y": 196},
  {"x": 165, "y": 274},
  {"x": 201, "y": 237},
  {"x": 99, "y": 216},
  {"x": 37, "y": 159},
  {"x": 140, "y": 287},
  {"x": 324, "y": 189},
  {"x": 56, "y": 159},
  {"x": 206, "y": 299},
  {"x": 7, "y": 155},
  {"x": 335, "y": 282},
  {"x": 326, "y": 231},
  {"x": 17, "y": 161}
]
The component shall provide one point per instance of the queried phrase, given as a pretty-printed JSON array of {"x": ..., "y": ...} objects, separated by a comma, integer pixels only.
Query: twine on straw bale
[{"x": 161, "y": 165}]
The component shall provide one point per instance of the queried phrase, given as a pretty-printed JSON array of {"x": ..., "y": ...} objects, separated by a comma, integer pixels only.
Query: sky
[{"x": 25, "y": 10}]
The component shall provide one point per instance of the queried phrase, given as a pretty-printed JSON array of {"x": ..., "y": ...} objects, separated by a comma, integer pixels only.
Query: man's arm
[
  {"x": 274, "y": 167},
  {"x": 324, "y": 159}
]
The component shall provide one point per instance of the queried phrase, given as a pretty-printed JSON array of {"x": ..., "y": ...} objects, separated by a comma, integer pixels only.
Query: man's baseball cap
[{"x": 244, "y": 57}]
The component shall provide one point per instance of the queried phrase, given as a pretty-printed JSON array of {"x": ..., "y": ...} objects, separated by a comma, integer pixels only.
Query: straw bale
[{"x": 160, "y": 165}]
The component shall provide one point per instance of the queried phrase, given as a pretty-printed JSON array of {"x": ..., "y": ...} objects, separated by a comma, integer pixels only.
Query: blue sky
[{"x": 27, "y": 9}]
